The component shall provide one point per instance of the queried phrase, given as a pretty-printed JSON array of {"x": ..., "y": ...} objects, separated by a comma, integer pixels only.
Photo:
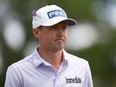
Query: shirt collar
[
  {"x": 38, "y": 60},
  {"x": 65, "y": 57}
]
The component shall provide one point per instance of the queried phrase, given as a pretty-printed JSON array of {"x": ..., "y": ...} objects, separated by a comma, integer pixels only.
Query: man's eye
[
  {"x": 65, "y": 27},
  {"x": 53, "y": 27}
]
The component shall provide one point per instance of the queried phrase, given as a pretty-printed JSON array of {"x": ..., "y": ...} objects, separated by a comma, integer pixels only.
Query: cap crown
[{"x": 48, "y": 16}]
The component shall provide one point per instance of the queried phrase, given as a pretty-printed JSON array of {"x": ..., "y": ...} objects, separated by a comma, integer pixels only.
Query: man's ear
[{"x": 36, "y": 32}]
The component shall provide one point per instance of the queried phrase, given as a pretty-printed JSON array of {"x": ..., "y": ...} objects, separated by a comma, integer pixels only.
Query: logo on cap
[
  {"x": 34, "y": 13},
  {"x": 55, "y": 13}
]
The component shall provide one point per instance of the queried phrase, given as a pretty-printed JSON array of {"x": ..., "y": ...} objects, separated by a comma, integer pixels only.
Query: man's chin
[{"x": 60, "y": 47}]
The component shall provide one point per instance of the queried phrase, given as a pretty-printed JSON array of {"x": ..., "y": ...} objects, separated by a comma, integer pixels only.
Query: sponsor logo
[
  {"x": 34, "y": 13},
  {"x": 73, "y": 80},
  {"x": 55, "y": 13}
]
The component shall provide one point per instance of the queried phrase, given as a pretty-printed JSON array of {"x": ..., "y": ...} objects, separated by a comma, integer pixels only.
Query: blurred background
[{"x": 94, "y": 38}]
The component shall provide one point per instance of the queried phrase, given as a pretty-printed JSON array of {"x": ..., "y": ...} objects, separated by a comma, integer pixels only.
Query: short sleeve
[
  {"x": 12, "y": 77},
  {"x": 88, "y": 82}
]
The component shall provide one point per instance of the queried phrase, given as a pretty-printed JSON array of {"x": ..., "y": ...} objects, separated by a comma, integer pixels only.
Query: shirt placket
[{"x": 57, "y": 76}]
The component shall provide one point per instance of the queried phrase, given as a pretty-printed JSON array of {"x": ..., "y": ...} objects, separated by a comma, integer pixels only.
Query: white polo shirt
[{"x": 34, "y": 71}]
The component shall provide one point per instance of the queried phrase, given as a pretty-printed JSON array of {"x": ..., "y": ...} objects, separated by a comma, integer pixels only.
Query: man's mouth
[{"x": 59, "y": 40}]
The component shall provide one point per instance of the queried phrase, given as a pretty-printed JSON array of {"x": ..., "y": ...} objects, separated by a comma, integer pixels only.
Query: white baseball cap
[{"x": 50, "y": 15}]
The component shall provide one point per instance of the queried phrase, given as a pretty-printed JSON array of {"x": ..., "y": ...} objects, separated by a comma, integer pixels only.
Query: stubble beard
[{"x": 59, "y": 45}]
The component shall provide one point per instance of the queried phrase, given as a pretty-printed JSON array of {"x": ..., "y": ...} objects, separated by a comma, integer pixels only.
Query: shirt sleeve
[
  {"x": 12, "y": 77},
  {"x": 88, "y": 82}
]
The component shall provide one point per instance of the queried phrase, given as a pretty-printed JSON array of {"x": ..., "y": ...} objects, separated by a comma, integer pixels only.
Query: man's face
[{"x": 53, "y": 37}]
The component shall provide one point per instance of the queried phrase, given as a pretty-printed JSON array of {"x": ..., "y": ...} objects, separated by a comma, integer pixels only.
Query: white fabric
[
  {"x": 34, "y": 71},
  {"x": 50, "y": 15}
]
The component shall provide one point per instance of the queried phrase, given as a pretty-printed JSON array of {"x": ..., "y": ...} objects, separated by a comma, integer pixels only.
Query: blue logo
[{"x": 55, "y": 13}]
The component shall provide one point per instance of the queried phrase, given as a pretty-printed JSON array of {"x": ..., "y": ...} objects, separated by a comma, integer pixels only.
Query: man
[{"x": 50, "y": 65}]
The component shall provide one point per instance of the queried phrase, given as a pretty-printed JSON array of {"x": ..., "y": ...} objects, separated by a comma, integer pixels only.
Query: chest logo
[{"x": 73, "y": 80}]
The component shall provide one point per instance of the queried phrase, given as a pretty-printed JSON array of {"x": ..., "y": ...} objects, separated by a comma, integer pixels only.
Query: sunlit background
[{"x": 93, "y": 38}]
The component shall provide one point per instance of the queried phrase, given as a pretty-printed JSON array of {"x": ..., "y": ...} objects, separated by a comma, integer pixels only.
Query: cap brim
[
  {"x": 57, "y": 20},
  {"x": 71, "y": 22}
]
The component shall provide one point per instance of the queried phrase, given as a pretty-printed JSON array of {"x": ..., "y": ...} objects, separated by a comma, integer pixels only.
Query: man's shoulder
[
  {"x": 17, "y": 69},
  {"x": 23, "y": 62},
  {"x": 75, "y": 59}
]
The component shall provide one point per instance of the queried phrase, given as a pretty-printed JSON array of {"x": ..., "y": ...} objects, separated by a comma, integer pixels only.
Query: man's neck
[{"x": 54, "y": 58}]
